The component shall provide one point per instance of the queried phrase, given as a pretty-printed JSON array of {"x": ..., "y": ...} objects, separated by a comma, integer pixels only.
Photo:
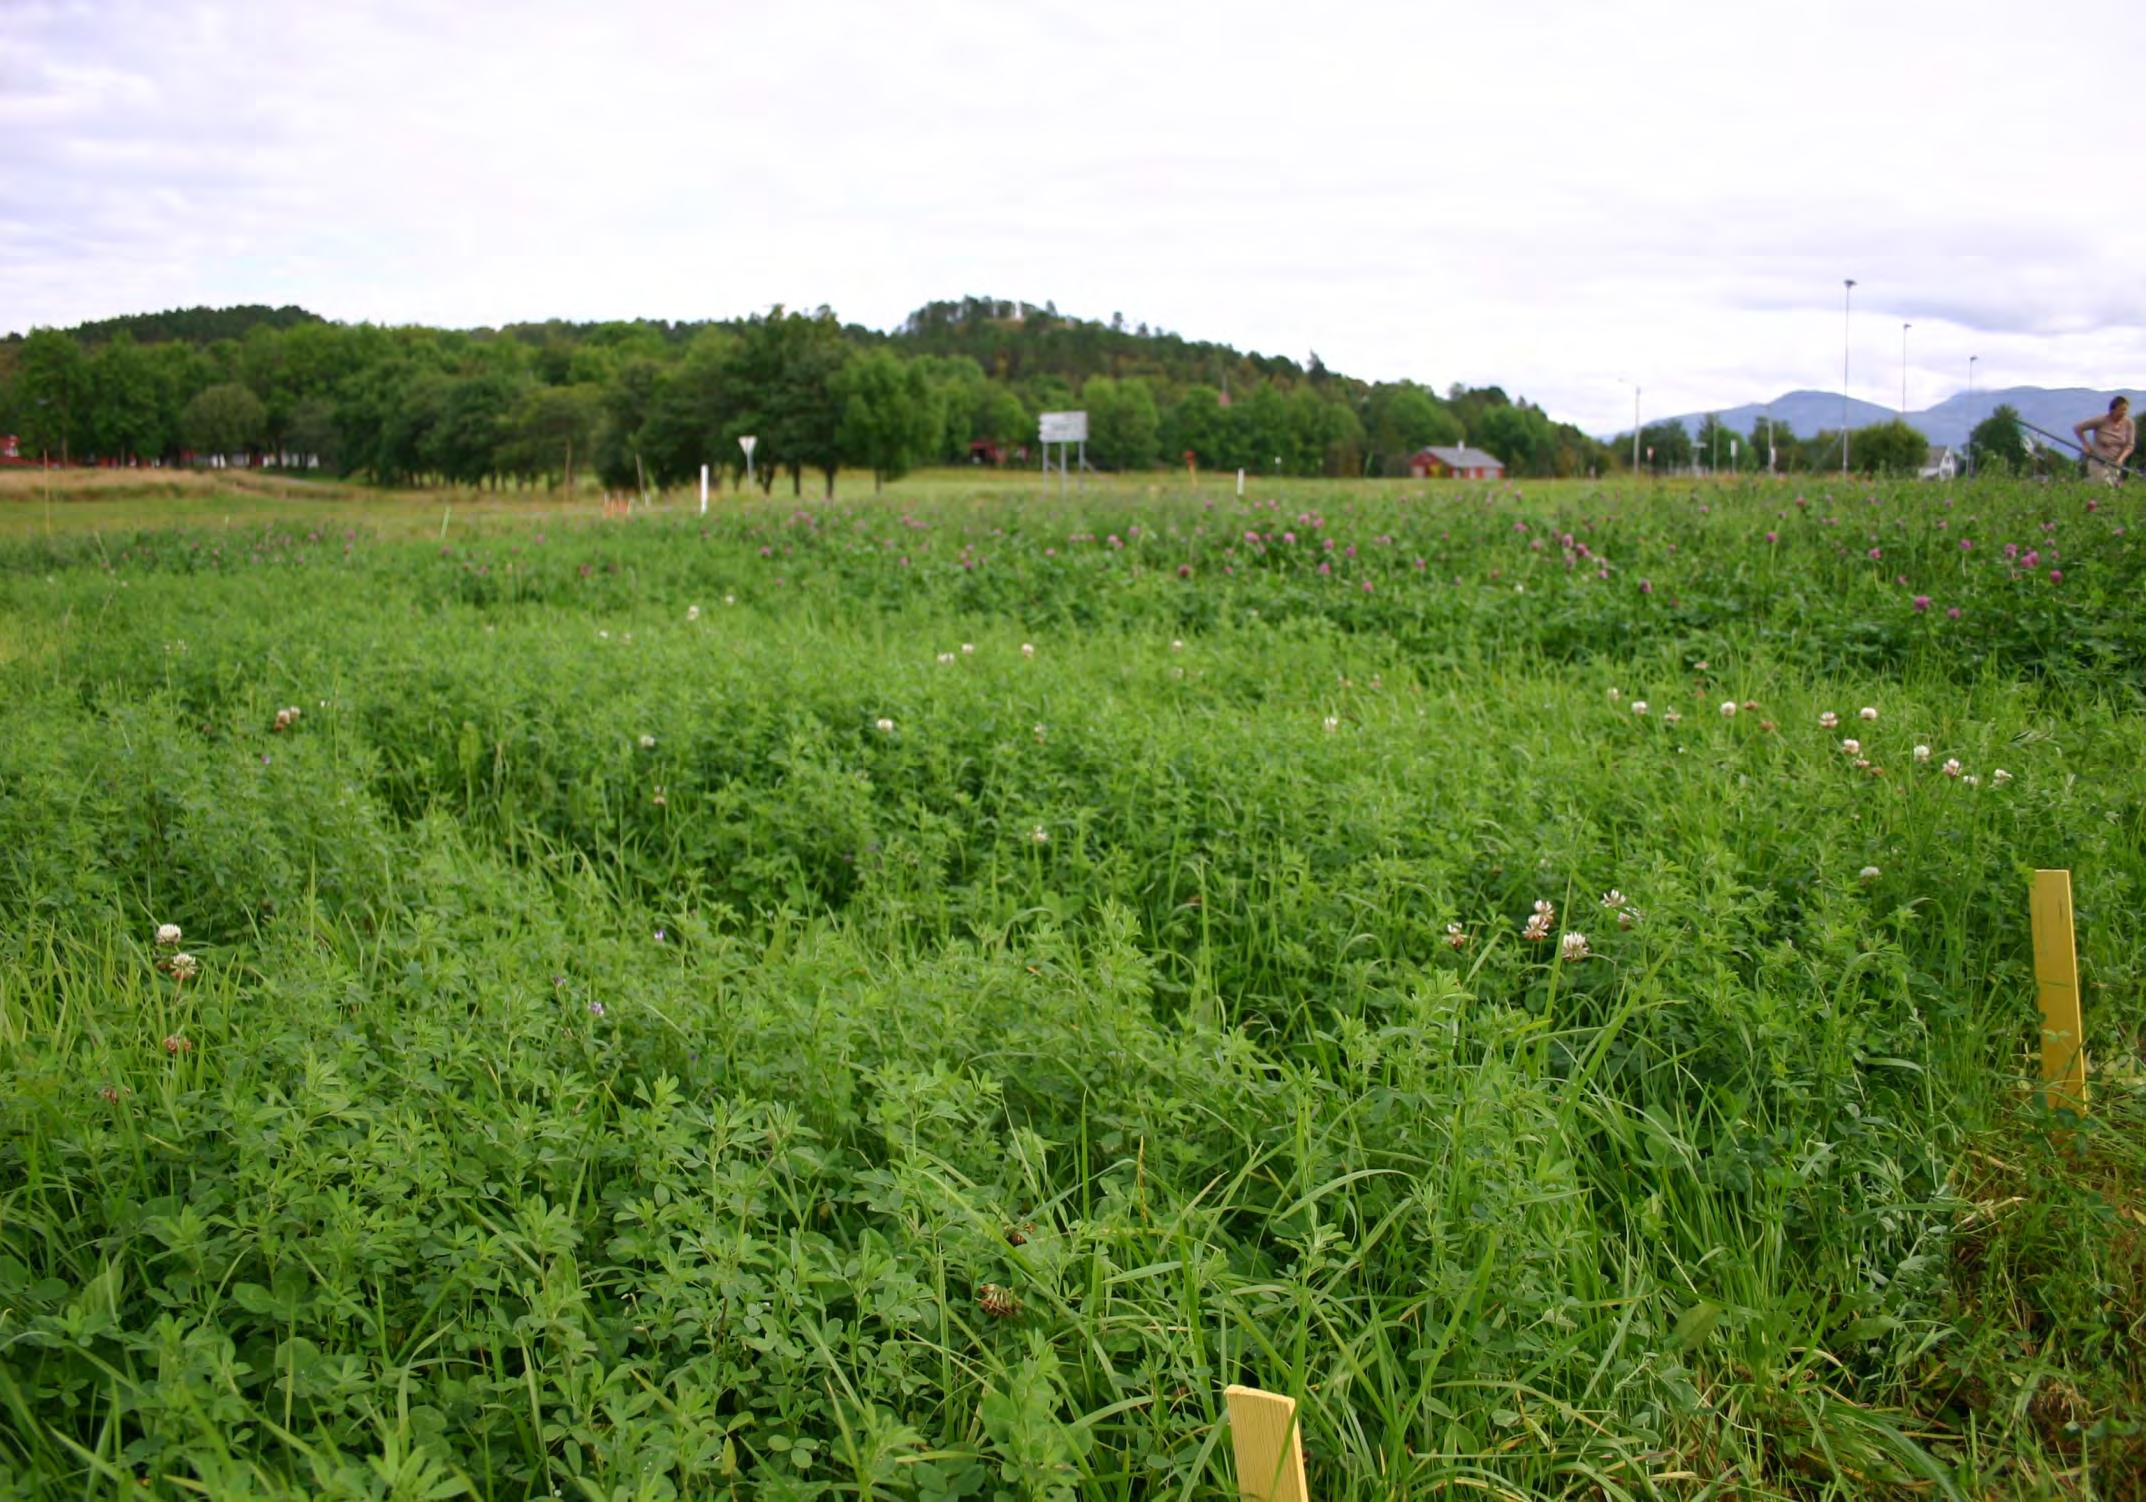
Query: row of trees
[
  {"x": 1998, "y": 445},
  {"x": 648, "y": 403}
]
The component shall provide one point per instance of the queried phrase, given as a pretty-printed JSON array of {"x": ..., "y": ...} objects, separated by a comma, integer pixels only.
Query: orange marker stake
[
  {"x": 2056, "y": 977},
  {"x": 1270, "y": 1451}
]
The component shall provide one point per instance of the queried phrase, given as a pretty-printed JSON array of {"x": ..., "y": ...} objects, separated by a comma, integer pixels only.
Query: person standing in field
[{"x": 2114, "y": 437}]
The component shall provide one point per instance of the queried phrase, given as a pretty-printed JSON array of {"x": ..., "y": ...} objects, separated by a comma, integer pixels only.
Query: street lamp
[
  {"x": 1628, "y": 381},
  {"x": 1971, "y": 415},
  {"x": 1846, "y": 300},
  {"x": 1904, "y": 370}
]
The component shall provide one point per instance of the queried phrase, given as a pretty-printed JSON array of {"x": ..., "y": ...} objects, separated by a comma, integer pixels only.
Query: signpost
[
  {"x": 746, "y": 443},
  {"x": 704, "y": 490},
  {"x": 1067, "y": 430}
]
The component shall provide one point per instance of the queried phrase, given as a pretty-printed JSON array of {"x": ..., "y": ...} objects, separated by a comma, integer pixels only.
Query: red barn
[
  {"x": 1461, "y": 463},
  {"x": 10, "y": 446}
]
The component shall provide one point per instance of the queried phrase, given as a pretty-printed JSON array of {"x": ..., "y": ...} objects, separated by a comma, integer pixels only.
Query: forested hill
[
  {"x": 1018, "y": 340},
  {"x": 192, "y": 325},
  {"x": 955, "y": 382}
]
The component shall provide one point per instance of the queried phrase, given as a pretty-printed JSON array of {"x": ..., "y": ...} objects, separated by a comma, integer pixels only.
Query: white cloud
[{"x": 1548, "y": 196}]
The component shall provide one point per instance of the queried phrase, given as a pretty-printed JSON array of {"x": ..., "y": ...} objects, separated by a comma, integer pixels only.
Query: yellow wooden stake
[
  {"x": 1270, "y": 1451},
  {"x": 2056, "y": 976}
]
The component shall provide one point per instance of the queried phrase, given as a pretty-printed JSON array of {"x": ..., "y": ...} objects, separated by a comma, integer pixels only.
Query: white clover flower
[
  {"x": 648, "y": 743},
  {"x": 1828, "y": 720},
  {"x": 730, "y": 599},
  {"x": 1972, "y": 780},
  {"x": 168, "y": 935},
  {"x": 1039, "y": 734},
  {"x": 1728, "y": 709},
  {"x": 1028, "y": 649},
  {"x": 1639, "y": 706},
  {"x": 184, "y": 966},
  {"x": 1850, "y": 746},
  {"x": 1544, "y": 907},
  {"x": 1331, "y": 723},
  {"x": 968, "y": 649},
  {"x": 1672, "y": 716},
  {"x": 1921, "y": 753},
  {"x": 1867, "y": 712},
  {"x": 1573, "y": 947},
  {"x": 1456, "y": 936},
  {"x": 1951, "y": 768},
  {"x": 1536, "y": 929},
  {"x": 692, "y": 612},
  {"x": 1615, "y": 695},
  {"x": 883, "y": 725},
  {"x": 1869, "y": 874},
  {"x": 1177, "y": 646},
  {"x": 1040, "y": 835},
  {"x": 1628, "y": 918},
  {"x": 1613, "y": 899},
  {"x": 945, "y": 658},
  {"x": 2000, "y": 777}
]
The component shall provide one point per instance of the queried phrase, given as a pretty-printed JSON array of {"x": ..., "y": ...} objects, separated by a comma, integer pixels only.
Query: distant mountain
[{"x": 1807, "y": 413}]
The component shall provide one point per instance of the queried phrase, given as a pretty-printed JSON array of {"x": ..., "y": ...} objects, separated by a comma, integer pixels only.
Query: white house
[{"x": 1941, "y": 464}]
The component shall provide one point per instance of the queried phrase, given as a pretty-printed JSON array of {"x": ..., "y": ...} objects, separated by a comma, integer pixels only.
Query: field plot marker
[
  {"x": 2056, "y": 977},
  {"x": 1270, "y": 1451}
]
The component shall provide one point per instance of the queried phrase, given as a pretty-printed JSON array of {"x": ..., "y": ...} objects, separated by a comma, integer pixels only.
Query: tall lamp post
[
  {"x": 1846, "y": 302},
  {"x": 1971, "y": 415},
  {"x": 1904, "y": 370}
]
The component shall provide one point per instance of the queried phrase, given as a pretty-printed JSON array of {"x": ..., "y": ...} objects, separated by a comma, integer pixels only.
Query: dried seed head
[{"x": 997, "y": 1301}]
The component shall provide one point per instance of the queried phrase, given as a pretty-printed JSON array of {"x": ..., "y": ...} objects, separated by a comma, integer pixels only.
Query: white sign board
[
  {"x": 1062, "y": 427},
  {"x": 746, "y": 443}
]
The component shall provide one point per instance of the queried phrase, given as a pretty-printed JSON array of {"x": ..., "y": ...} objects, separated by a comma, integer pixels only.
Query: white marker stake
[
  {"x": 704, "y": 490},
  {"x": 1240, "y": 484}
]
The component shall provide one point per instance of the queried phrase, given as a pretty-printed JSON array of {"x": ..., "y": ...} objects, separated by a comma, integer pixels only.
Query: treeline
[
  {"x": 1998, "y": 445},
  {"x": 647, "y": 403}
]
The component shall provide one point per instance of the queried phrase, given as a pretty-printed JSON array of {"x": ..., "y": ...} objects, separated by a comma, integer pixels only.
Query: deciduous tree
[{"x": 223, "y": 419}]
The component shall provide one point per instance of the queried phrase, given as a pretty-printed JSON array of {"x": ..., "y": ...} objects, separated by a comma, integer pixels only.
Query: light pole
[
  {"x": 1628, "y": 381},
  {"x": 1971, "y": 415},
  {"x": 1846, "y": 301},
  {"x": 1904, "y": 370}
]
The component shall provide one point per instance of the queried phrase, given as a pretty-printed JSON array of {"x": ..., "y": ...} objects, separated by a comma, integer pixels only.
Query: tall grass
[{"x": 669, "y": 969}]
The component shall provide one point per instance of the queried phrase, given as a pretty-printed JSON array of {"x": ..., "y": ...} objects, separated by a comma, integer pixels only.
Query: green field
[{"x": 909, "y": 997}]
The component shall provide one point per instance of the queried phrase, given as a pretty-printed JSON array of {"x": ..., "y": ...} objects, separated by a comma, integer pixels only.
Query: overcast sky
[{"x": 1557, "y": 197}]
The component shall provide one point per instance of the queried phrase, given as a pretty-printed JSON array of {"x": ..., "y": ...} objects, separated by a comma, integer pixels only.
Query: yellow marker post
[
  {"x": 2056, "y": 977},
  {"x": 1270, "y": 1451}
]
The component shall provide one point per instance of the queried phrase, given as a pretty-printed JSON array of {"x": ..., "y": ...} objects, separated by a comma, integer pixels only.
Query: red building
[
  {"x": 10, "y": 446},
  {"x": 1461, "y": 463}
]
